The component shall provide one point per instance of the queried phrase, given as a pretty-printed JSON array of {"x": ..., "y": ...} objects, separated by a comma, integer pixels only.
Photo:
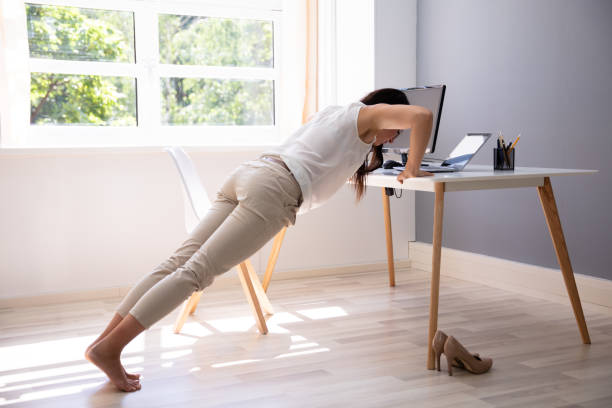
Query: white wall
[
  {"x": 355, "y": 49},
  {"x": 96, "y": 219},
  {"x": 72, "y": 222},
  {"x": 373, "y": 45},
  {"x": 395, "y": 43}
]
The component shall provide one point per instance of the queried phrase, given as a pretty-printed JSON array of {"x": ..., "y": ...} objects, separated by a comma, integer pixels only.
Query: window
[
  {"x": 221, "y": 42},
  {"x": 147, "y": 72},
  {"x": 58, "y": 34}
]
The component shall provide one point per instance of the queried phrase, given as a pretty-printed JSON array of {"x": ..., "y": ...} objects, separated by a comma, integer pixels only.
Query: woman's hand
[{"x": 412, "y": 173}]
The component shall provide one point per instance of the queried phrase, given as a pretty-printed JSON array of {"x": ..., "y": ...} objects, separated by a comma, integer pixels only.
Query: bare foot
[
  {"x": 130, "y": 376},
  {"x": 111, "y": 366}
]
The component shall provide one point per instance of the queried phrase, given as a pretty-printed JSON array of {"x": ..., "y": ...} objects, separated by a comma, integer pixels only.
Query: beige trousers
[{"x": 254, "y": 203}]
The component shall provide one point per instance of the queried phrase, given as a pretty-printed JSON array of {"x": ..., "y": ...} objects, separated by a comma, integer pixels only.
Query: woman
[{"x": 257, "y": 200}]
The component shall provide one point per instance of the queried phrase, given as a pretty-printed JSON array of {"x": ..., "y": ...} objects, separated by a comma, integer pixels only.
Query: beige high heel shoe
[
  {"x": 437, "y": 345},
  {"x": 455, "y": 352}
]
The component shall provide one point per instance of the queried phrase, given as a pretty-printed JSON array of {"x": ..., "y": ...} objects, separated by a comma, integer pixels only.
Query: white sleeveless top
[{"x": 324, "y": 153}]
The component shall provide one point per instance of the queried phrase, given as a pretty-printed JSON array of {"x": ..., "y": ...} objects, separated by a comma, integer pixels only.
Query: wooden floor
[{"x": 341, "y": 341}]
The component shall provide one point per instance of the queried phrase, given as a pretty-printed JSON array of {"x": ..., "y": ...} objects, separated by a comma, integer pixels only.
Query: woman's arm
[{"x": 374, "y": 118}]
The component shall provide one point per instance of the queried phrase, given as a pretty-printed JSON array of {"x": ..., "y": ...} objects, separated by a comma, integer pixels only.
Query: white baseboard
[
  {"x": 222, "y": 282},
  {"x": 500, "y": 273},
  {"x": 514, "y": 276},
  {"x": 63, "y": 297}
]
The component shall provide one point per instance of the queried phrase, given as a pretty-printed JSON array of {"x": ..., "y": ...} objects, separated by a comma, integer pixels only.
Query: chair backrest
[{"x": 196, "y": 197}]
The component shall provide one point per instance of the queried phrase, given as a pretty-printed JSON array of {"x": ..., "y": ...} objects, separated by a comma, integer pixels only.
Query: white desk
[{"x": 479, "y": 177}]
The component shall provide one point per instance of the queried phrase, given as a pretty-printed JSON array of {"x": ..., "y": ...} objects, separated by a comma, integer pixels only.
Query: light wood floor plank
[{"x": 334, "y": 341}]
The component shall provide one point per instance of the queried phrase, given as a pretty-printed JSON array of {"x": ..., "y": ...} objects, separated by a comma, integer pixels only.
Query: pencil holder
[{"x": 503, "y": 159}]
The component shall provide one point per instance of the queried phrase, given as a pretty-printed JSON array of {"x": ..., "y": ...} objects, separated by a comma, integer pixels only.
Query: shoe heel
[
  {"x": 449, "y": 363},
  {"x": 437, "y": 346}
]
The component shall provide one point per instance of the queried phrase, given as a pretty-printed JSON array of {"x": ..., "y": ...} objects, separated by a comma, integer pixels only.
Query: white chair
[{"x": 196, "y": 204}]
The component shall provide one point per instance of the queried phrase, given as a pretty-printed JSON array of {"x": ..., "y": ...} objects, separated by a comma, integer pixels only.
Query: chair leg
[
  {"x": 254, "y": 292},
  {"x": 195, "y": 302},
  {"x": 251, "y": 295},
  {"x": 187, "y": 306},
  {"x": 276, "y": 246},
  {"x": 259, "y": 290}
]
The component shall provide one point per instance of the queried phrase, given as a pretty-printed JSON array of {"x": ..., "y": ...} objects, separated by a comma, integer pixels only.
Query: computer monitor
[{"x": 430, "y": 97}]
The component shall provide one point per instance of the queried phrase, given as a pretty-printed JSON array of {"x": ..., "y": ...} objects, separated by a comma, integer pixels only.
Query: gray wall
[{"x": 542, "y": 68}]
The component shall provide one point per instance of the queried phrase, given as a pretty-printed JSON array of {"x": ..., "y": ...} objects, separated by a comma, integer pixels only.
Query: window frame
[{"x": 148, "y": 72}]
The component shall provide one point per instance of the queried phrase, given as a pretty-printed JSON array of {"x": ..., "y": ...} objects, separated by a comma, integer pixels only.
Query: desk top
[{"x": 475, "y": 177}]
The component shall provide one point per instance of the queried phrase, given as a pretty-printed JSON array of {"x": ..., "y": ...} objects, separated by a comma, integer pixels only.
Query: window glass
[
  {"x": 99, "y": 86},
  {"x": 211, "y": 41},
  {"x": 191, "y": 101},
  {"x": 59, "y": 99},
  {"x": 83, "y": 34}
]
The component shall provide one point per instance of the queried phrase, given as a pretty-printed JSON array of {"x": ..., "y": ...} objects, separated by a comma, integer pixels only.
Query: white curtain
[
  {"x": 311, "y": 60},
  {"x": 298, "y": 65}
]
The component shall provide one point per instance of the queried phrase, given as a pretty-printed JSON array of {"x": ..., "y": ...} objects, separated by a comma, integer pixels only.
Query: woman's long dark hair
[{"x": 389, "y": 96}]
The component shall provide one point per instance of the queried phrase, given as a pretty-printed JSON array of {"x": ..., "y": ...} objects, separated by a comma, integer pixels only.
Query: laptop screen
[{"x": 466, "y": 149}]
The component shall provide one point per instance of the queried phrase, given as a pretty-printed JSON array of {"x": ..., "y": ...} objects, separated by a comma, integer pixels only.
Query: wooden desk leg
[
  {"x": 547, "y": 199},
  {"x": 389, "y": 237},
  {"x": 435, "y": 271}
]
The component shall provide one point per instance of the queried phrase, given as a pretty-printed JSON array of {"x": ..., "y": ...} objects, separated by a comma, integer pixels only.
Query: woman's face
[{"x": 386, "y": 136}]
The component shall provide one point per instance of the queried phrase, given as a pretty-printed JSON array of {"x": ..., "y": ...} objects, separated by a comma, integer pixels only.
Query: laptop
[{"x": 458, "y": 158}]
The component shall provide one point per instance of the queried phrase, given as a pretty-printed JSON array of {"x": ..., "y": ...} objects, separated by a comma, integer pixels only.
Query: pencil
[{"x": 515, "y": 142}]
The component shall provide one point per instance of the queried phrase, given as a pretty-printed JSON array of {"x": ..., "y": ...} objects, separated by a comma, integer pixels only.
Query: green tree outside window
[
  {"x": 83, "y": 34},
  {"x": 69, "y": 33}
]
